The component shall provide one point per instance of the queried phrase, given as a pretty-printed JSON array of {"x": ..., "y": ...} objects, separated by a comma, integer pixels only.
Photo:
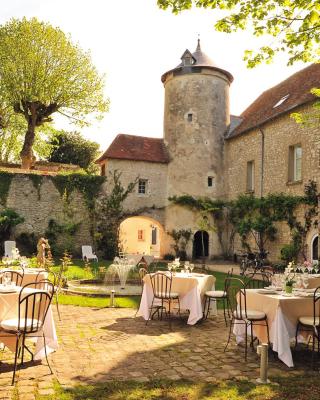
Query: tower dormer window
[{"x": 187, "y": 58}]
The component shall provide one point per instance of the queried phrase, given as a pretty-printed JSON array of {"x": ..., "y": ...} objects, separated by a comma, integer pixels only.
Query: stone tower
[{"x": 196, "y": 115}]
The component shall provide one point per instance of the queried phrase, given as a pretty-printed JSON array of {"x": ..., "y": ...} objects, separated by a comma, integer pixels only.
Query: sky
[{"x": 133, "y": 43}]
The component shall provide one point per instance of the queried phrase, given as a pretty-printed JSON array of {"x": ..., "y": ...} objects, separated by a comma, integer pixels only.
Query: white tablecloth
[
  {"x": 191, "y": 291},
  {"x": 9, "y": 309},
  {"x": 140, "y": 258},
  {"x": 282, "y": 313}
]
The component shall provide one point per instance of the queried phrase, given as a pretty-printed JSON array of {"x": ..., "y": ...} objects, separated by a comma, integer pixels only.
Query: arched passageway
[
  {"x": 142, "y": 235},
  {"x": 201, "y": 244},
  {"x": 314, "y": 248}
]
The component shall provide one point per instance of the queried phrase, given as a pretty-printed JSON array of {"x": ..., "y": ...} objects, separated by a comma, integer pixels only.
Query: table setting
[
  {"x": 288, "y": 298},
  {"x": 190, "y": 286}
]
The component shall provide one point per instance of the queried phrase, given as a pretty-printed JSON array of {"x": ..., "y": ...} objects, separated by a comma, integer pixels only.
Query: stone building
[{"x": 206, "y": 152}]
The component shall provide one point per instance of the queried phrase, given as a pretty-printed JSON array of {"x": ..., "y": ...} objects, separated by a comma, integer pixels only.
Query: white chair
[
  {"x": 87, "y": 253},
  {"x": 8, "y": 246}
]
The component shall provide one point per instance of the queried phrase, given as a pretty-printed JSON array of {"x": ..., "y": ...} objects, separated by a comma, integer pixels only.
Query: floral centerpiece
[{"x": 289, "y": 280}]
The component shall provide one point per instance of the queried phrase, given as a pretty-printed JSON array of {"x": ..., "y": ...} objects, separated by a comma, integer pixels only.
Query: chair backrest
[
  {"x": 33, "y": 308},
  {"x": 15, "y": 276},
  {"x": 87, "y": 251},
  {"x": 257, "y": 280},
  {"x": 316, "y": 306},
  {"x": 42, "y": 284},
  {"x": 8, "y": 246},
  {"x": 161, "y": 284},
  {"x": 226, "y": 282},
  {"x": 142, "y": 273},
  {"x": 237, "y": 300}
]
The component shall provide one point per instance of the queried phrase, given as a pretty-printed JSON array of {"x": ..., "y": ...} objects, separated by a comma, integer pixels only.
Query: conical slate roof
[{"x": 199, "y": 59}]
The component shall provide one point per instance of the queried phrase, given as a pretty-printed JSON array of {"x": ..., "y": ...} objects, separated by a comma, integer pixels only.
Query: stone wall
[
  {"x": 279, "y": 134},
  {"x": 156, "y": 175},
  {"x": 38, "y": 204}
]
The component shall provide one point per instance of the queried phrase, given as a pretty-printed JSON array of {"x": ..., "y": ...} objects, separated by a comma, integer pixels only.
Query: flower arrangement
[{"x": 289, "y": 279}]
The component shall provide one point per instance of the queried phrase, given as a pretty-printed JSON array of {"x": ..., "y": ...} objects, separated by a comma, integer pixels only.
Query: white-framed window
[
  {"x": 295, "y": 163},
  {"x": 250, "y": 176},
  {"x": 142, "y": 186}
]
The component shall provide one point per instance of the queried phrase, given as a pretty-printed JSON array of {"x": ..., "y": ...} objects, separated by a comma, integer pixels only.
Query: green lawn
[
  {"x": 76, "y": 271},
  {"x": 293, "y": 388},
  {"x": 100, "y": 302}
]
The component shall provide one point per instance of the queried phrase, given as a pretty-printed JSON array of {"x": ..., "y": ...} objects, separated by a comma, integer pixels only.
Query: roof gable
[
  {"x": 280, "y": 99},
  {"x": 136, "y": 148}
]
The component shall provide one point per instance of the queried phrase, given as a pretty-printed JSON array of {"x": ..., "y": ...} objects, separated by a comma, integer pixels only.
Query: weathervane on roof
[{"x": 198, "y": 45}]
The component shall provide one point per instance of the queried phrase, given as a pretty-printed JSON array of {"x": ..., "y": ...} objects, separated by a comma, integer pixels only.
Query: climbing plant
[
  {"x": 181, "y": 239},
  {"x": 5, "y": 182},
  {"x": 110, "y": 213},
  {"x": 88, "y": 185},
  {"x": 255, "y": 218}
]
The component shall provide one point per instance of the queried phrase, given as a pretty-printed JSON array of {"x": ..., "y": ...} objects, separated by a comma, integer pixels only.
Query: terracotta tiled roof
[
  {"x": 137, "y": 148},
  {"x": 280, "y": 99}
]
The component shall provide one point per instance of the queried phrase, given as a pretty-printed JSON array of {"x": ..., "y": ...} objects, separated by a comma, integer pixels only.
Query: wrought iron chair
[
  {"x": 237, "y": 302},
  {"x": 257, "y": 280},
  {"x": 161, "y": 285},
  {"x": 32, "y": 310},
  {"x": 15, "y": 276},
  {"x": 57, "y": 281},
  {"x": 311, "y": 324},
  {"x": 217, "y": 295}
]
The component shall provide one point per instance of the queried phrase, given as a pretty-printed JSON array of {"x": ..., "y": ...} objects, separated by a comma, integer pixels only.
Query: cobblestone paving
[{"x": 96, "y": 345}]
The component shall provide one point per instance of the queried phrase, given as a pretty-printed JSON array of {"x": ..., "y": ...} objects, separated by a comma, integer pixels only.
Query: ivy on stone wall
[
  {"x": 5, "y": 182},
  {"x": 88, "y": 185},
  {"x": 255, "y": 218},
  {"x": 37, "y": 182}
]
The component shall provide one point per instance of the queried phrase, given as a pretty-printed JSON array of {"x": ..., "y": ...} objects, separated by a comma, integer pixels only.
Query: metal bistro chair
[
  {"x": 32, "y": 310},
  {"x": 218, "y": 295},
  {"x": 311, "y": 324},
  {"x": 142, "y": 273},
  {"x": 15, "y": 276},
  {"x": 257, "y": 280},
  {"x": 237, "y": 302},
  {"x": 57, "y": 280},
  {"x": 161, "y": 285}
]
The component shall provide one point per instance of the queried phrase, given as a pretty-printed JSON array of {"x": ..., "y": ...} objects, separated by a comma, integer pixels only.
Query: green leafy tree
[
  {"x": 42, "y": 73},
  {"x": 294, "y": 23},
  {"x": 73, "y": 148}
]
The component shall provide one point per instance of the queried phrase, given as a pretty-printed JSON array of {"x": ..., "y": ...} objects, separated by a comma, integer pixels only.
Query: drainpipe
[{"x": 262, "y": 162}]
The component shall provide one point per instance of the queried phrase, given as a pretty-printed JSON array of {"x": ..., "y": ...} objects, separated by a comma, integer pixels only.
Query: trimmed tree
[{"x": 42, "y": 73}]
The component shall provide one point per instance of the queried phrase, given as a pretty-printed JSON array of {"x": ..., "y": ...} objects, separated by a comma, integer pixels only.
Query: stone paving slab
[{"x": 97, "y": 345}]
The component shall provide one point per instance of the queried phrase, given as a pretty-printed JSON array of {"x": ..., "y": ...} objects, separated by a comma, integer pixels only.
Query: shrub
[{"x": 27, "y": 243}]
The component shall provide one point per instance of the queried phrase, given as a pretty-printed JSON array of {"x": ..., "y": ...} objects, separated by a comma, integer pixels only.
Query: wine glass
[
  {"x": 6, "y": 279},
  {"x": 305, "y": 282},
  {"x": 191, "y": 266},
  {"x": 169, "y": 267}
]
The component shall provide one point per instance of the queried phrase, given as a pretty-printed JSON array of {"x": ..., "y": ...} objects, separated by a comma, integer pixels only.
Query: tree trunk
[{"x": 26, "y": 154}]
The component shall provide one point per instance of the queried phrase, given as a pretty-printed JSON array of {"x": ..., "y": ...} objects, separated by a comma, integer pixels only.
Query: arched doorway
[
  {"x": 200, "y": 244},
  {"x": 314, "y": 248},
  {"x": 141, "y": 235}
]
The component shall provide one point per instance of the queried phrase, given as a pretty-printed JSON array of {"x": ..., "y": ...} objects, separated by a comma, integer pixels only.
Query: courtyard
[{"x": 107, "y": 353}]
